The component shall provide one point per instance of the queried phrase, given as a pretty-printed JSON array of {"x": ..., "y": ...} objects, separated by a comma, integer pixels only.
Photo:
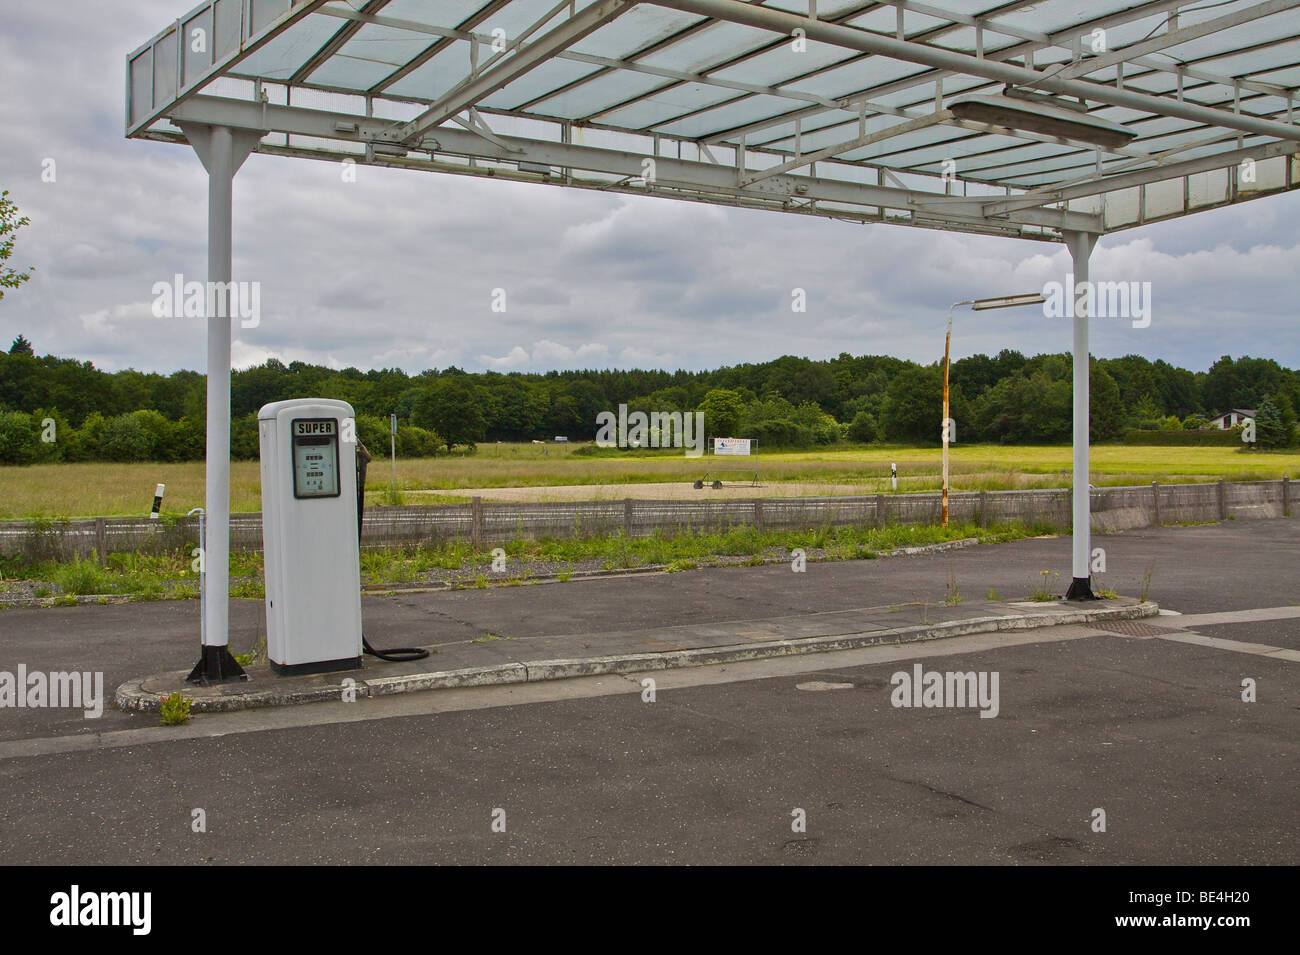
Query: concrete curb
[{"x": 132, "y": 695}]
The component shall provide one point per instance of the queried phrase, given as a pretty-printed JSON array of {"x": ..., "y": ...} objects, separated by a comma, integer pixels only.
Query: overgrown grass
[
  {"x": 106, "y": 490},
  {"x": 143, "y": 576},
  {"x": 618, "y": 552},
  {"x": 152, "y": 577}
]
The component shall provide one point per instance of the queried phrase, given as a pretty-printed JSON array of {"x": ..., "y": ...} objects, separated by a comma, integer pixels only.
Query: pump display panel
[{"x": 315, "y": 457}]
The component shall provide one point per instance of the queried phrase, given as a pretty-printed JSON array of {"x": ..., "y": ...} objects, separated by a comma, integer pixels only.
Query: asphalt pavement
[{"x": 717, "y": 764}]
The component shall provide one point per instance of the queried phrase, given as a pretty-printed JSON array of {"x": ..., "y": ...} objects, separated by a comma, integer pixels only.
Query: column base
[
  {"x": 1081, "y": 589},
  {"x": 216, "y": 665}
]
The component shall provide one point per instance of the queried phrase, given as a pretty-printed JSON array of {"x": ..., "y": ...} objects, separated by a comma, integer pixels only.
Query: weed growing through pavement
[
  {"x": 174, "y": 710},
  {"x": 253, "y": 656},
  {"x": 952, "y": 597},
  {"x": 1146, "y": 581},
  {"x": 1045, "y": 590}
]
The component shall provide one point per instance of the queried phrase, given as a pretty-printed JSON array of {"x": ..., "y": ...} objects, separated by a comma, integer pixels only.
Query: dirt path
[{"x": 664, "y": 491}]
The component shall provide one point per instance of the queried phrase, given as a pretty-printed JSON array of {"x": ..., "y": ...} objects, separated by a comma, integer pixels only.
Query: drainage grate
[{"x": 1130, "y": 628}]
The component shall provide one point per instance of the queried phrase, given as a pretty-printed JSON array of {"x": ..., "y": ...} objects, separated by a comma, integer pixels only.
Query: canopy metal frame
[{"x": 831, "y": 108}]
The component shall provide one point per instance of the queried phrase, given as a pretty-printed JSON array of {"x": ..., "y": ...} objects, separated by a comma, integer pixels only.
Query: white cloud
[
  {"x": 243, "y": 355},
  {"x": 545, "y": 354},
  {"x": 517, "y": 358}
]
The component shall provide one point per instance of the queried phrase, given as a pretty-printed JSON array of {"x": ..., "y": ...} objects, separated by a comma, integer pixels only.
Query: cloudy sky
[{"x": 398, "y": 268}]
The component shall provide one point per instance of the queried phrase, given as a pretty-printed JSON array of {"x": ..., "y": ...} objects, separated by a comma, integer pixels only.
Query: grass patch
[
  {"x": 174, "y": 710},
  {"x": 101, "y": 489},
  {"x": 157, "y": 577}
]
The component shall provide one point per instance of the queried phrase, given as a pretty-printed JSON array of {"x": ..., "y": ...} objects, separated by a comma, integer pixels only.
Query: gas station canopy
[
  {"x": 1055, "y": 120},
  {"x": 1026, "y": 119}
]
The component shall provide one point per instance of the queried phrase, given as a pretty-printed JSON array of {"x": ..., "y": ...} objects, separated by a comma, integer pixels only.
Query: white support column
[
  {"x": 222, "y": 152},
  {"x": 1080, "y": 245}
]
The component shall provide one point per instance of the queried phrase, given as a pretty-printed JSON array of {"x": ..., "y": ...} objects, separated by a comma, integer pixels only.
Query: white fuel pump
[{"x": 310, "y": 535}]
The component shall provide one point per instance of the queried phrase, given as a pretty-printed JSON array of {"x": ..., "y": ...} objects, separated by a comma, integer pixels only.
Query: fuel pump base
[
  {"x": 316, "y": 666},
  {"x": 216, "y": 665}
]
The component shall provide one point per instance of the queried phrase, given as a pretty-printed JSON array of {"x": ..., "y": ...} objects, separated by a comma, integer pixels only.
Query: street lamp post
[{"x": 978, "y": 305}]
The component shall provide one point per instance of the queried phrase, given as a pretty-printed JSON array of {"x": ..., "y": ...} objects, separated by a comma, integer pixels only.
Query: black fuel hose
[{"x": 392, "y": 654}]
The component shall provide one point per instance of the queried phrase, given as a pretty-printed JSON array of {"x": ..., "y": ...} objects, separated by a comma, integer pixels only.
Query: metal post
[
  {"x": 1080, "y": 245},
  {"x": 222, "y": 152},
  {"x": 203, "y": 576},
  {"x": 947, "y": 341},
  {"x": 216, "y": 555},
  {"x": 392, "y": 446}
]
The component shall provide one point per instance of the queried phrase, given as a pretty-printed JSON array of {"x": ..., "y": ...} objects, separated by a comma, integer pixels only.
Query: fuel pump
[
  {"x": 313, "y": 486},
  {"x": 309, "y": 536}
]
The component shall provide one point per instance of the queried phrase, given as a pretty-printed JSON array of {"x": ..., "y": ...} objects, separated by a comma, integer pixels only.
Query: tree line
[{"x": 54, "y": 408}]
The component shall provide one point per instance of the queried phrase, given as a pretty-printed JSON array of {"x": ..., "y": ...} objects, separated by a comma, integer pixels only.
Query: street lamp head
[{"x": 1008, "y": 301}]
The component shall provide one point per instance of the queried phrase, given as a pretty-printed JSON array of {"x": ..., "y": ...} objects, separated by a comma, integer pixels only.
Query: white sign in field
[{"x": 732, "y": 445}]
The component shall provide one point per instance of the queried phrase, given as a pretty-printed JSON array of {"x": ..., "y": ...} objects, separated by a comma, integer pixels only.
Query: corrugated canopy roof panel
[{"x": 837, "y": 108}]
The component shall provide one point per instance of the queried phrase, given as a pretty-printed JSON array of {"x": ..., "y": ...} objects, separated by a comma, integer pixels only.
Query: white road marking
[
  {"x": 1191, "y": 620},
  {"x": 1236, "y": 646}
]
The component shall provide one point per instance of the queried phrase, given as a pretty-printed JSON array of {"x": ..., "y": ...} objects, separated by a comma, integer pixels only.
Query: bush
[
  {"x": 820, "y": 427},
  {"x": 189, "y": 439},
  {"x": 125, "y": 439},
  {"x": 1209, "y": 438},
  {"x": 372, "y": 431},
  {"x": 244, "y": 439},
  {"x": 862, "y": 428},
  {"x": 414, "y": 442},
  {"x": 19, "y": 440},
  {"x": 777, "y": 432},
  {"x": 52, "y": 431}
]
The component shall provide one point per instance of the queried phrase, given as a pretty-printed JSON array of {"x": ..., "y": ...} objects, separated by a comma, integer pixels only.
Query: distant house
[{"x": 1231, "y": 419}]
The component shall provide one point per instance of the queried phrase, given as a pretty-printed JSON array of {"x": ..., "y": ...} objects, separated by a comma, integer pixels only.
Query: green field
[{"x": 105, "y": 490}]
